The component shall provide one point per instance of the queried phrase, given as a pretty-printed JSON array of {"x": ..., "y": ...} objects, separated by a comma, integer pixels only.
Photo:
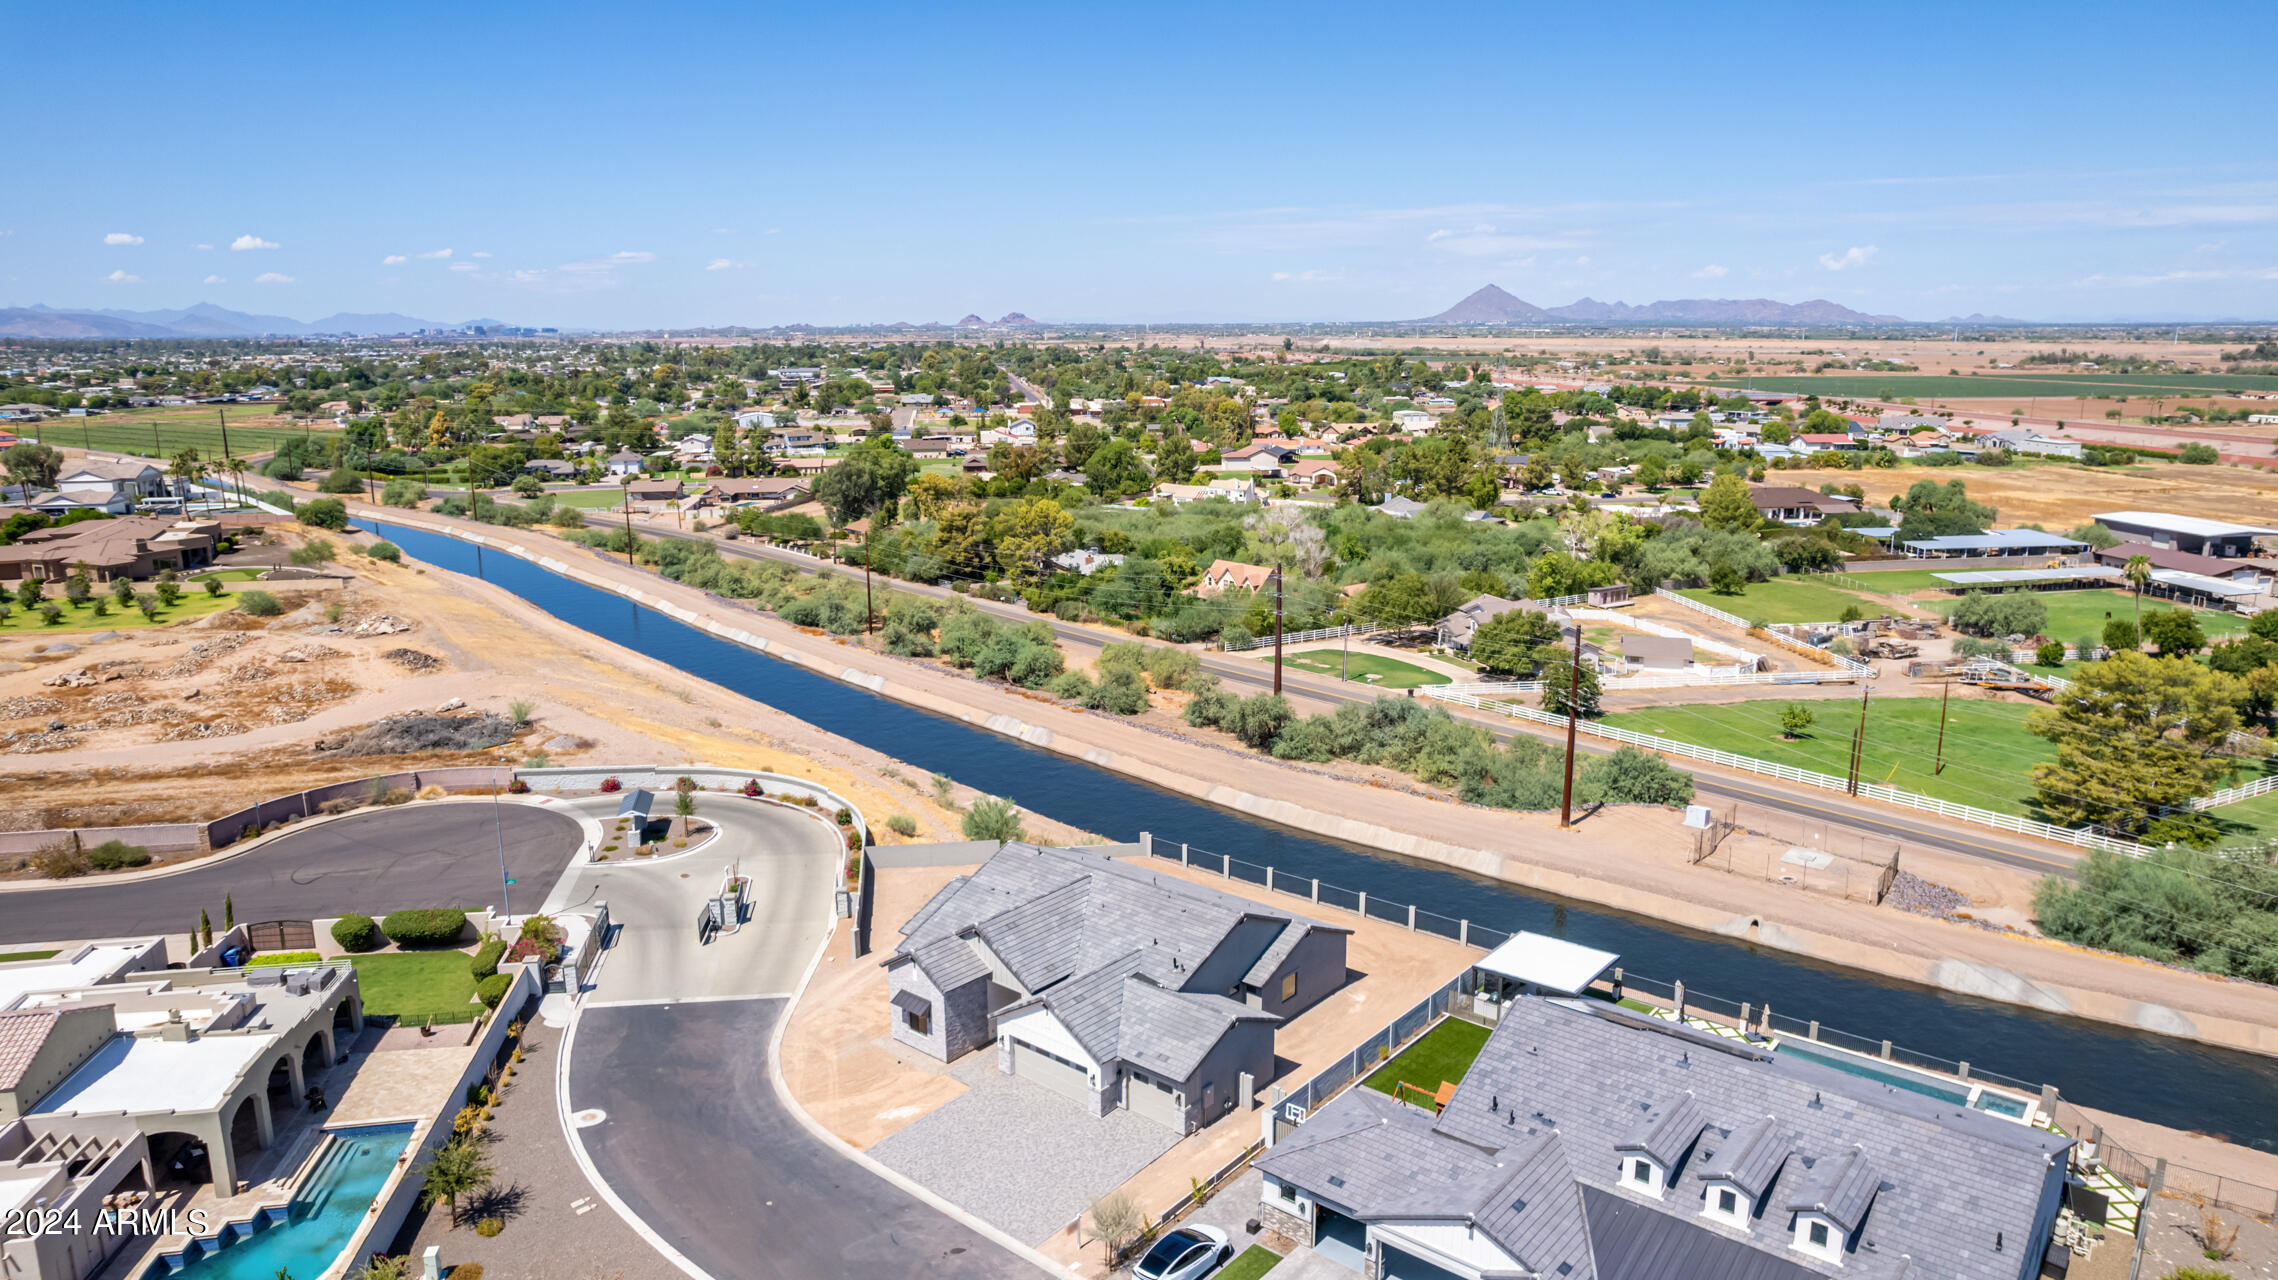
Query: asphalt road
[
  {"x": 424, "y": 855},
  {"x": 696, "y": 1144},
  {"x": 672, "y": 1046}
]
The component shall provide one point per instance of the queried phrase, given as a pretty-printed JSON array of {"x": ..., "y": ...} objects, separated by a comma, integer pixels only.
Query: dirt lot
[
  {"x": 2062, "y": 497},
  {"x": 182, "y": 722}
]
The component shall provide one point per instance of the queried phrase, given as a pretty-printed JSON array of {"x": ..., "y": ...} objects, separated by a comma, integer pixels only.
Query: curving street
[{"x": 422, "y": 855}]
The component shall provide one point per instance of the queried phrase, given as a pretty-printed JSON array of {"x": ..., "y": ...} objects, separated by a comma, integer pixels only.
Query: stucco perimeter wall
[{"x": 1946, "y": 973}]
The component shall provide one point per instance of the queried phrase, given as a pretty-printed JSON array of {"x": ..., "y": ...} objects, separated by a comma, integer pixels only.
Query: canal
[{"x": 2163, "y": 1079}]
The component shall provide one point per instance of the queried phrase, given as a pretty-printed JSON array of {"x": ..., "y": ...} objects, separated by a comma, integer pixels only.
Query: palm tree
[
  {"x": 2138, "y": 572},
  {"x": 457, "y": 1168}
]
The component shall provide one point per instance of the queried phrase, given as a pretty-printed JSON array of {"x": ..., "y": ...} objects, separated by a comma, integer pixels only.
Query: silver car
[{"x": 1188, "y": 1253}]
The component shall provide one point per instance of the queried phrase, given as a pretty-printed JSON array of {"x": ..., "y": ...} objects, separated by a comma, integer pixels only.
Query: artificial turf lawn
[
  {"x": 1251, "y": 1263},
  {"x": 414, "y": 986},
  {"x": 1391, "y": 673},
  {"x": 7, "y": 957},
  {"x": 1441, "y": 1055},
  {"x": 1989, "y": 752},
  {"x": 81, "y": 618}
]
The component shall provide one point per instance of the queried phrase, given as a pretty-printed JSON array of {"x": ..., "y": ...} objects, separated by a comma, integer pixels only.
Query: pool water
[
  {"x": 307, "y": 1235},
  {"x": 1954, "y": 1091}
]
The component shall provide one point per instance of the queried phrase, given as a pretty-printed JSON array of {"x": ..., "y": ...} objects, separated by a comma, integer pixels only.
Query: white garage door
[
  {"x": 1153, "y": 1099},
  {"x": 1053, "y": 1072}
]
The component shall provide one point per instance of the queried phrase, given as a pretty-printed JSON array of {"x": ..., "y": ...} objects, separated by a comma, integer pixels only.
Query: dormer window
[
  {"x": 1817, "y": 1237},
  {"x": 1643, "y": 1175},
  {"x": 1726, "y": 1203}
]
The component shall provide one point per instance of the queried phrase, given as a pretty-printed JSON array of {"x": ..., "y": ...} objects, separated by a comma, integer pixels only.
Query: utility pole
[
  {"x": 1277, "y": 629},
  {"x": 224, "y": 415},
  {"x": 868, "y": 617},
  {"x": 1573, "y": 719},
  {"x": 1940, "y": 767},
  {"x": 1858, "y": 744},
  {"x": 627, "y": 507}
]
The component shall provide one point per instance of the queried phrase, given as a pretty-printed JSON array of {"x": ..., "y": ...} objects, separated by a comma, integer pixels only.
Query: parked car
[{"x": 1188, "y": 1253}]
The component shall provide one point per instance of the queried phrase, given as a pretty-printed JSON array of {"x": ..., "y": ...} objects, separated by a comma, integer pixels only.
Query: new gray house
[
  {"x": 1590, "y": 1143},
  {"x": 1110, "y": 983}
]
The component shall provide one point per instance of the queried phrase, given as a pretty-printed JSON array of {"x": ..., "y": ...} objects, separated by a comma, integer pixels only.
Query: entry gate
[{"x": 282, "y": 935}]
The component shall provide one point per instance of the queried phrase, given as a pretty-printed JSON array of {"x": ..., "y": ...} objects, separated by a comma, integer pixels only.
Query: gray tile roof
[{"x": 1921, "y": 1187}]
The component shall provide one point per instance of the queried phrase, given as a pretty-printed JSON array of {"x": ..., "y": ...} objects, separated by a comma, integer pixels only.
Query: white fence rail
[
  {"x": 1301, "y": 637},
  {"x": 1808, "y": 777},
  {"x": 2232, "y": 795},
  {"x": 1849, "y": 665}
]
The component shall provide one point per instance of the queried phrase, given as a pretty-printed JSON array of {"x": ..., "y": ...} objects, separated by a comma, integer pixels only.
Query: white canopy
[{"x": 1548, "y": 963}]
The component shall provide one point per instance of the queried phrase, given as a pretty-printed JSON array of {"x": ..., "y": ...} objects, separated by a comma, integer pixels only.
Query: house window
[
  {"x": 1727, "y": 1202},
  {"x": 1641, "y": 1173},
  {"x": 1288, "y": 987},
  {"x": 1289, "y": 1193},
  {"x": 1818, "y": 1235},
  {"x": 921, "y": 1023}
]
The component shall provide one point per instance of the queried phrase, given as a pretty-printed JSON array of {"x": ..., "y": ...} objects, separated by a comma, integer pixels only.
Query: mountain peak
[
  {"x": 972, "y": 321},
  {"x": 1015, "y": 320},
  {"x": 1490, "y": 304}
]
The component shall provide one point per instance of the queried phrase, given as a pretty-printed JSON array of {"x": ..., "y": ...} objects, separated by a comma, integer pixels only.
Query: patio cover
[{"x": 1548, "y": 963}]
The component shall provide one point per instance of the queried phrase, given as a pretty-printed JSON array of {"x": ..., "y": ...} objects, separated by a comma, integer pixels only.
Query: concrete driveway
[{"x": 421, "y": 855}]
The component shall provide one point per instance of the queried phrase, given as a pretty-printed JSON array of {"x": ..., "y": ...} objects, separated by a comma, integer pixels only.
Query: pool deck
[{"x": 372, "y": 1084}]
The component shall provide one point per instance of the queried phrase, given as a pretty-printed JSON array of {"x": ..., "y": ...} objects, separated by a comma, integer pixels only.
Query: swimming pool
[
  {"x": 305, "y": 1236},
  {"x": 1957, "y": 1092}
]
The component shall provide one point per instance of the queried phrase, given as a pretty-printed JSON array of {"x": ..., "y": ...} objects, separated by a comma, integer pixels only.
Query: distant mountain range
[
  {"x": 205, "y": 320},
  {"x": 1494, "y": 305}
]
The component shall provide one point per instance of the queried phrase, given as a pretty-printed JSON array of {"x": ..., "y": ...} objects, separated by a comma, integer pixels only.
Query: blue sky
[{"x": 683, "y": 165}]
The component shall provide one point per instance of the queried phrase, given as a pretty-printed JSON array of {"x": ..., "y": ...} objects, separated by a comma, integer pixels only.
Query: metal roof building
[{"x": 2186, "y": 533}]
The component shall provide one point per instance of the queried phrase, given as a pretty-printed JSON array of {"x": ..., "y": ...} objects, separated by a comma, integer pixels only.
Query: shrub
[
  {"x": 993, "y": 819},
  {"x": 470, "y": 1270},
  {"x": 314, "y": 551},
  {"x": 492, "y": 989},
  {"x": 259, "y": 604},
  {"x": 60, "y": 861},
  {"x": 1172, "y": 668},
  {"x": 844, "y": 817},
  {"x": 324, "y": 513},
  {"x": 2198, "y": 455},
  {"x": 485, "y": 962},
  {"x": 1121, "y": 692},
  {"x": 611, "y": 784},
  {"x": 1258, "y": 720},
  {"x": 903, "y": 825},
  {"x": 213, "y": 586},
  {"x": 403, "y": 492},
  {"x": 340, "y": 480},
  {"x": 487, "y": 1227},
  {"x": 384, "y": 550},
  {"x": 752, "y": 788},
  {"x": 424, "y": 926},
  {"x": 117, "y": 855},
  {"x": 356, "y": 933},
  {"x": 2050, "y": 653}
]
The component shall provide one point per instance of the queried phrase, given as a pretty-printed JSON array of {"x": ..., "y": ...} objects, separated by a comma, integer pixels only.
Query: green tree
[
  {"x": 1795, "y": 718},
  {"x": 1114, "y": 470},
  {"x": 2175, "y": 631},
  {"x": 323, "y": 513},
  {"x": 1398, "y": 602},
  {"x": 1512, "y": 642},
  {"x": 873, "y": 474},
  {"x": 2121, "y": 634},
  {"x": 992, "y": 818},
  {"x": 1726, "y": 505},
  {"x": 1028, "y": 534},
  {"x": 458, "y": 1168},
  {"x": 1556, "y": 677},
  {"x": 35, "y": 466},
  {"x": 2138, "y": 574},
  {"x": 2135, "y": 739}
]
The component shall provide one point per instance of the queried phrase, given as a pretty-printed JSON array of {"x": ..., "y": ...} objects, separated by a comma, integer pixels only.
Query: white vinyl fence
[
  {"x": 1301, "y": 637},
  {"x": 2079, "y": 838},
  {"x": 1851, "y": 666}
]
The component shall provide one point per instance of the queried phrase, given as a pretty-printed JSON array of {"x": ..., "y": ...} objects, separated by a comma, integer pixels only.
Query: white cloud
[
  {"x": 202, "y": 247},
  {"x": 465, "y": 266},
  {"x": 122, "y": 237},
  {"x": 771, "y": 231},
  {"x": 1712, "y": 272},
  {"x": 720, "y": 264},
  {"x": 632, "y": 255},
  {"x": 121, "y": 277},
  {"x": 582, "y": 276},
  {"x": 243, "y": 243},
  {"x": 2103, "y": 281},
  {"x": 478, "y": 254},
  {"x": 272, "y": 277},
  {"x": 1313, "y": 276},
  {"x": 217, "y": 279},
  {"x": 394, "y": 260},
  {"x": 435, "y": 253},
  {"x": 1857, "y": 255}
]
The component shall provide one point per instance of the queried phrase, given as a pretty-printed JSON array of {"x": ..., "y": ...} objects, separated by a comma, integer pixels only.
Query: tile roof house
[
  {"x": 768, "y": 493},
  {"x": 1109, "y": 983},
  {"x": 1456, "y": 629},
  {"x": 1590, "y": 1143},
  {"x": 1794, "y": 504},
  {"x": 1228, "y": 575},
  {"x": 124, "y": 547}
]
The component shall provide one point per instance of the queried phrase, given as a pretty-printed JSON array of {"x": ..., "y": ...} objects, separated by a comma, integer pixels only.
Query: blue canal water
[{"x": 2163, "y": 1079}]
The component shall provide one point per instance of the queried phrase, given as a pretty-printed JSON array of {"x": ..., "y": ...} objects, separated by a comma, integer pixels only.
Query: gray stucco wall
[
  {"x": 1319, "y": 963},
  {"x": 1247, "y": 1046},
  {"x": 908, "y": 977},
  {"x": 1221, "y": 972}
]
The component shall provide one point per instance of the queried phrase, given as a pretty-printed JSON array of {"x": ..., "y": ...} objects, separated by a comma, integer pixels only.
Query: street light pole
[
  {"x": 1277, "y": 630},
  {"x": 1573, "y": 717},
  {"x": 498, "y": 824}
]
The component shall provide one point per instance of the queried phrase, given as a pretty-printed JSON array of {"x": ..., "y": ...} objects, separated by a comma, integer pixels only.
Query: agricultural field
[
  {"x": 1892, "y": 386},
  {"x": 1797, "y": 599},
  {"x": 1989, "y": 753},
  {"x": 161, "y": 433},
  {"x": 1390, "y": 673}
]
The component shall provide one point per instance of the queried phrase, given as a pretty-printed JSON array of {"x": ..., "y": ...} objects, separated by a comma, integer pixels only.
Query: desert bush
[
  {"x": 314, "y": 551},
  {"x": 61, "y": 861},
  {"x": 356, "y": 933},
  {"x": 486, "y": 958},
  {"x": 324, "y": 513},
  {"x": 486, "y": 1227},
  {"x": 385, "y": 550},
  {"x": 117, "y": 855},
  {"x": 903, "y": 825},
  {"x": 424, "y": 926},
  {"x": 259, "y": 604},
  {"x": 993, "y": 819}
]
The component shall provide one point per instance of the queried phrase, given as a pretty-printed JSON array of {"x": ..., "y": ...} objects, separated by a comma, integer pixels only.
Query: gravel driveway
[{"x": 1020, "y": 1156}]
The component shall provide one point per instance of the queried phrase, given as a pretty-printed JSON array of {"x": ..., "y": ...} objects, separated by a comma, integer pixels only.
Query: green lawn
[
  {"x": 24, "y": 622},
  {"x": 274, "y": 958},
  {"x": 1989, "y": 752},
  {"x": 1786, "y": 600},
  {"x": 7, "y": 957},
  {"x": 226, "y": 575},
  {"x": 588, "y": 499},
  {"x": 1390, "y": 673},
  {"x": 414, "y": 986},
  {"x": 1899, "y": 582},
  {"x": 1251, "y": 1263},
  {"x": 1441, "y": 1055},
  {"x": 2246, "y": 821},
  {"x": 2074, "y": 615}
]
